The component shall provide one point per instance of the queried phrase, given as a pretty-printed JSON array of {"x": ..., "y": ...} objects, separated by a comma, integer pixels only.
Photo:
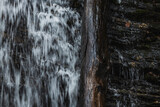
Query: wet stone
[{"x": 134, "y": 54}]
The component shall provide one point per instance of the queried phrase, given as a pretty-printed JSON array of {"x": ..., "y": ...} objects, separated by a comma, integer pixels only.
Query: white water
[{"x": 38, "y": 68}]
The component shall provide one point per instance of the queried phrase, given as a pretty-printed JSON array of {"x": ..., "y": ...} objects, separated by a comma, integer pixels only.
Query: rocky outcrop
[{"x": 134, "y": 79}]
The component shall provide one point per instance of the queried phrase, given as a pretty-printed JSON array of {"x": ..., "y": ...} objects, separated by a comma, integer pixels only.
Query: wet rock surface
[
  {"x": 133, "y": 30},
  {"x": 134, "y": 41}
]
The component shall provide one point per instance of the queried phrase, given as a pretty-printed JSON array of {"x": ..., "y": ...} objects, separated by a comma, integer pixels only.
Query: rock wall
[
  {"x": 125, "y": 33},
  {"x": 134, "y": 32}
]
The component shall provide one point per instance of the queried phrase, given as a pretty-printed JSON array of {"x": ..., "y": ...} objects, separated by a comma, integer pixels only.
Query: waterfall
[{"x": 39, "y": 52}]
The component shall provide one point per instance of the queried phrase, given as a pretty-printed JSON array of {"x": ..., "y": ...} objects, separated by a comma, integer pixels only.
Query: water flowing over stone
[
  {"x": 39, "y": 51},
  {"x": 133, "y": 79}
]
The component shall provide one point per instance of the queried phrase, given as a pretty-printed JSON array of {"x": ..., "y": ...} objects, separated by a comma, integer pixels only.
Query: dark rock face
[{"x": 134, "y": 32}]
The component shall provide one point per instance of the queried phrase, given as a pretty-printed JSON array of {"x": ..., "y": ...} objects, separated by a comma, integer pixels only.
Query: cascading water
[{"x": 39, "y": 51}]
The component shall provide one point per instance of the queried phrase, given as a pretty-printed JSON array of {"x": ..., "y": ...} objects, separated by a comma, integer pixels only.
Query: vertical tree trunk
[{"x": 94, "y": 53}]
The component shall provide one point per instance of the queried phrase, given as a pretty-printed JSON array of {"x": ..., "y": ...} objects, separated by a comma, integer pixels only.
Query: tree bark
[{"x": 94, "y": 53}]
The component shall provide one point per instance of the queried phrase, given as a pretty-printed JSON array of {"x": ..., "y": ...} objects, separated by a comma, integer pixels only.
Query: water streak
[{"x": 39, "y": 51}]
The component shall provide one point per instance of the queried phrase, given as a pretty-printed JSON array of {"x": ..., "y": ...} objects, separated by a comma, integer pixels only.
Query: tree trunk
[{"x": 94, "y": 53}]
